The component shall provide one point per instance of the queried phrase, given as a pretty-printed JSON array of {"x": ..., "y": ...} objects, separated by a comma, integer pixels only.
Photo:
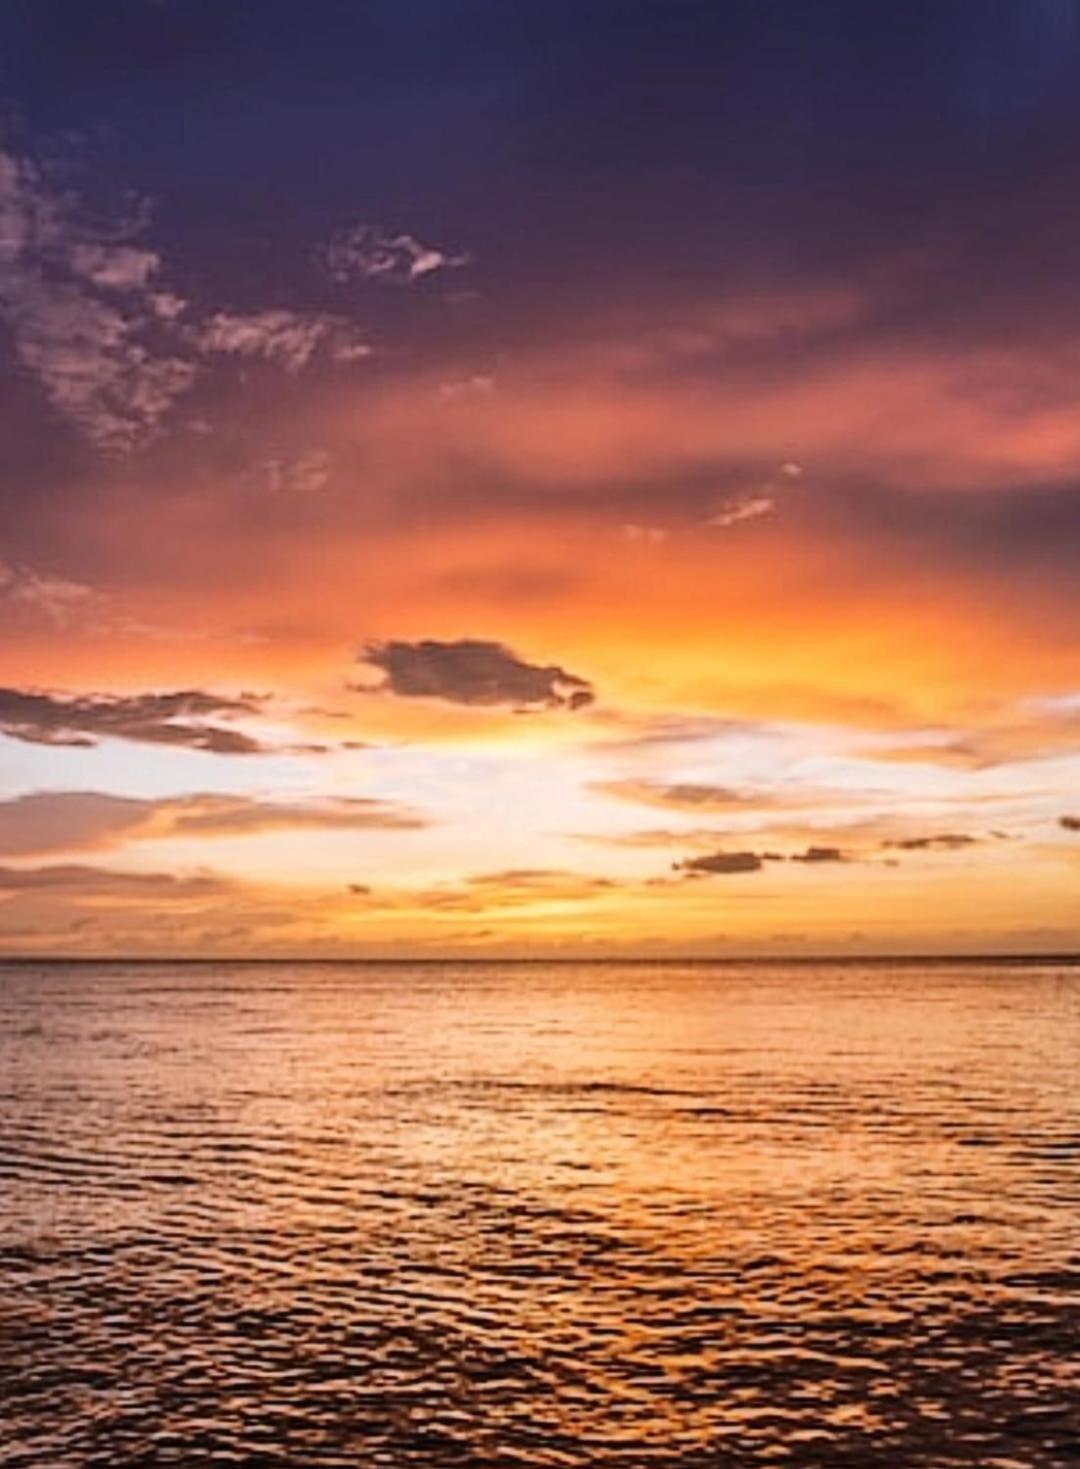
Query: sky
[{"x": 539, "y": 479}]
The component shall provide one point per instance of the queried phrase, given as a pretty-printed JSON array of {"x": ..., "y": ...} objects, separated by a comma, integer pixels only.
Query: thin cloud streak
[
  {"x": 73, "y": 821},
  {"x": 186, "y": 717}
]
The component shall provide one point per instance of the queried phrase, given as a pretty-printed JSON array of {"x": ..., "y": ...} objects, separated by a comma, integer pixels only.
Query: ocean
[{"x": 652, "y": 1214}]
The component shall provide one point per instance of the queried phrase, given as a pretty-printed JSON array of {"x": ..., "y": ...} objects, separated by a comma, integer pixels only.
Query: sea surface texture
[{"x": 541, "y": 1215}]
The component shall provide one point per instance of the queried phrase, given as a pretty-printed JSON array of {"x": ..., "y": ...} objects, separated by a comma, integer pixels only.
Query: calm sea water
[{"x": 539, "y": 1216}]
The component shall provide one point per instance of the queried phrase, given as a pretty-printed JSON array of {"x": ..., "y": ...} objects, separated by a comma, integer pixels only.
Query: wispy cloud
[
  {"x": 677, "y": 796},
  {"x": 700, "y": 797},
  {"x": 475, "y": 388},
  {"x": 95, "y": 323},
  {"x": 189, "y": 717},
  {"x": 81, "y": 311},
  {"x": 56, "y": 598},
  {"x": 76, "y": 880},
  {"x": 287, "y": 339},
  {"x": 646, "y": 731},
  {"x": 298, "y": 474},
  {"x": 949, "y": 841},
  {"x": 740, "y": 508},
  {"x": 79, "y": 821},
  {"x": 520, "y": 887},
  {"x": 1036, "y": 731},
  {"x": 368, "y": 252},
  {"x": 754, "y": 503},
  {"x": 650, "y": 535}
]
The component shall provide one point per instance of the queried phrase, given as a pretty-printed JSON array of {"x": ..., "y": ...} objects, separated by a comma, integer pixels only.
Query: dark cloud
[
  {"x": 184, "y": 717},
  {"x": 945, "y": 842},
  {"x": 727, "y": 863},
  {"x": 724, "y": 864},
  {"x": 74, "y": 821},
  {"x": 473, "y": 671},
  {"x": 1070, "y": 823}
]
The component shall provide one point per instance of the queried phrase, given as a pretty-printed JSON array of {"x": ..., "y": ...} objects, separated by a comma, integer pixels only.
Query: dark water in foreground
[{"x": 497, "y": 1216}]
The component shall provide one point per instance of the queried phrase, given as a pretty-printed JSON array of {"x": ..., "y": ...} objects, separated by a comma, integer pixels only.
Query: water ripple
[{"x": 633, "y": 1216}]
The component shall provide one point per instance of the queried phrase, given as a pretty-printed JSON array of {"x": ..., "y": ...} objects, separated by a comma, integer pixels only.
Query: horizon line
[{"x": 1071, "y": 956}]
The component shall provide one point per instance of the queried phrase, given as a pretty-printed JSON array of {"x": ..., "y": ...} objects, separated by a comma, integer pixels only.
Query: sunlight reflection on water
[{"x": 664, "y": 1215}]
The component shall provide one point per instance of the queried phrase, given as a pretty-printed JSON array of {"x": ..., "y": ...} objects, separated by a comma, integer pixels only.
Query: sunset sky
[{"x": 519, "y": 478}]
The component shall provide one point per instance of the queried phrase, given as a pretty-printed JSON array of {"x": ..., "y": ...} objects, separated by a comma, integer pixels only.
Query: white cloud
[
  {"x": 344, "y": 349},
  {"x": 371, "y": 253},
  {"x": 762, "y": 499},
  {"x": 166, "y": 305},
  {"x": 468, "y": 389},
  {"x": 288, "y": 339},
  {"x": 739, "y": 508},
  {"x": 277, "y": 336},
  {"x": 114, "y": 267},
  {"x": 303, "y": 475}
]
